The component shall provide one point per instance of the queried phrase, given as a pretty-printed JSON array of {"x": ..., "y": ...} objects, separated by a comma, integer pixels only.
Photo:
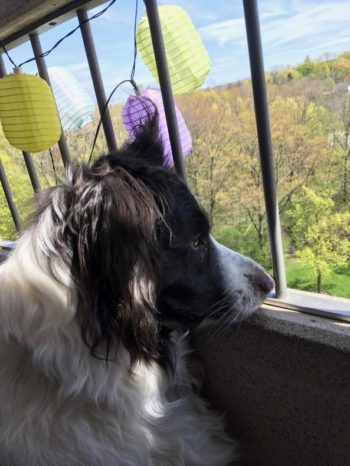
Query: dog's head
[{"x": 139, "y": 249}]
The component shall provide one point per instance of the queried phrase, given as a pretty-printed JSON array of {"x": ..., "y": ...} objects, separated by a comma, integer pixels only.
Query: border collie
[{"x": 90, "y": 374}]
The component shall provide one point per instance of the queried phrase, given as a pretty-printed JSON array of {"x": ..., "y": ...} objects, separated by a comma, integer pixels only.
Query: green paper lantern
[{"x": 188, "y": 59}]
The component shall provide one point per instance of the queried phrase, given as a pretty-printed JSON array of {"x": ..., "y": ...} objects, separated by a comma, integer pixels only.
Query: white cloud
[
  {"x": 280, "y": 26},
  {"x": 224, "y": 31},
  {"x": 315, "y": 22},
  {"x": 290, "y": 30},
  {"x": 78, "y": 67}
]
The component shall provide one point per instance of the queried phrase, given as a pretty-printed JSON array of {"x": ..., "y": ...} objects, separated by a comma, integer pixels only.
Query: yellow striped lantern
[
  {"x": 187, "y": 57},
  {"x": 28, "y": 112}
]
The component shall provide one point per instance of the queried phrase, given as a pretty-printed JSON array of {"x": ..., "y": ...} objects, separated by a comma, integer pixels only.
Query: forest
[{"x": 310, "y": 123}]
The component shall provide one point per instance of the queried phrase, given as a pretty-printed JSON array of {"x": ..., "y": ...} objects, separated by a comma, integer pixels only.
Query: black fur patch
[{"x": 125, "y": 227}]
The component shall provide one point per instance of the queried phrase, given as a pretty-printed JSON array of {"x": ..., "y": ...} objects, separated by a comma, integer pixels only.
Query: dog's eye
[{"x": 196, "y": 244}]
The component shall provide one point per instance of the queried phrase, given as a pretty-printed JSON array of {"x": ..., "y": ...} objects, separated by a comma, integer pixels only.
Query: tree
[
  {"x": 81, "y": 140},
  {"x": 320, "y": 234},
  {"x": 21, "y": 190},
  {"x": 300, "y": 152},
  {"x": 307, "y": 67},
  {"x": 211, "y": 164},
  {"x": 18, "y": 178},
  {"x": 341, "y": 69},
  {"x": 286, "y": 74},
  {"x": 339, "y": 130},
  {"x": 224, "y": 167},
  {"x": 322, "y": 70}
]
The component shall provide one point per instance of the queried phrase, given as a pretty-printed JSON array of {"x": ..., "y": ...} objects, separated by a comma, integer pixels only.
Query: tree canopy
[{"x": 309, "y": 108}]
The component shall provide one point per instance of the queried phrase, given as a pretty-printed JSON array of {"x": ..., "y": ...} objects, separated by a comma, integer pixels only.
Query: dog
[{"x": 90, "y": 372}]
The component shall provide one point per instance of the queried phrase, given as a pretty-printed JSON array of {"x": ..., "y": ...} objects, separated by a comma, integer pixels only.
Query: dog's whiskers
[
  {"x": 214, "y": 312},
  {"x": 220, "y": 324},
  {"x": 224, "y": 324},
  {"x": 218, "y": 303}
]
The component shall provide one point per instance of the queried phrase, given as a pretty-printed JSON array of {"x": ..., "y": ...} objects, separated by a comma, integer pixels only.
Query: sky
[{"x": 290, "y": 29}]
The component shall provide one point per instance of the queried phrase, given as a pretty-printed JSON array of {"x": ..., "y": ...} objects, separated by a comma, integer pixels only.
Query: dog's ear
[
  {"x": 147, "y": 144},
  {"x": 112, "y": 222}
]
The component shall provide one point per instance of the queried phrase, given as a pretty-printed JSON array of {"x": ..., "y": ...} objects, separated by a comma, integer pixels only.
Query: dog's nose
[
  {"x": 265, "y": 281},
  {"x": 262, "y": 279}
]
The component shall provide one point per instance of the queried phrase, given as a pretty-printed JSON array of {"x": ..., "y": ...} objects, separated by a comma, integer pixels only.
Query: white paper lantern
[{"x": 74, "y": 104}]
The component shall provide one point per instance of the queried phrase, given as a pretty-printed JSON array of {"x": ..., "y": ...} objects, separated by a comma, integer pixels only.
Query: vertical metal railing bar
[
  {"x": 27, "y": 157},
  {"x": 96, "y": 77},
  {"x": 9, "y": 198},
  {"x": 3, "y": 178},
  {"x": 165, "y": 86},
  {"x": 265, "y": 145},
  {"x": 42, "y": 68},
  {"x": 31, "y": 171}
]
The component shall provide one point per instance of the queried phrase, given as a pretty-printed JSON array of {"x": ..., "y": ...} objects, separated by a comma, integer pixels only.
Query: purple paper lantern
[{"x": 140, "y": 108}]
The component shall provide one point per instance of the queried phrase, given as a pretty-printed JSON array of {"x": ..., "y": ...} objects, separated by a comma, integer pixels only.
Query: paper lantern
[
  {"x": 74, "y": 104},
  {"x": 28, "y": 112},
  {"x": 139, "y": 108},
  {"x": 188, "y": 60}
]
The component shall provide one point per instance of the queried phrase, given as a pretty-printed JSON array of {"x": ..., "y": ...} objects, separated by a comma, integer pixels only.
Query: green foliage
[
  {"x": 322, "y": 70},
  {"x": 337, "y": 69},
  {"x": 224, "y": 168},
  {"x": 345, "y": 55},
  {"x": 341, "y": 69},
  {"x": 336, "y": 282},
  {"x": 21, "y": 190},
  {"x": 320, "y": 234},
  {"x": 243, "y": 239},
  {"x": 338, "y": 106},
  {"x": 286, "y": 74},
  {"x": 310, "y": 118},
  {"x": 306, "y": 68}
]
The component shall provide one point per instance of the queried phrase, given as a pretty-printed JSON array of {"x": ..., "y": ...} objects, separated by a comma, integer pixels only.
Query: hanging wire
[
  {"x": 131, "y": 81},
  {"x": 7, "y": 54},
  {"x": 132, "y": 73},
  {"x": 45, "y": 54},
  {"x": 133, "y": 69}
]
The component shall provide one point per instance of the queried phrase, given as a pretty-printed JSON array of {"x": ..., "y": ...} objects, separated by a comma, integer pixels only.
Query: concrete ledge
[
  {"x": 283, "y": 379},
  {"x": 18, "y": 18}
]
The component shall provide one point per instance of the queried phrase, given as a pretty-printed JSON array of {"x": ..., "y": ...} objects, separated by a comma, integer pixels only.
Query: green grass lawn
[{"x": 337, "y": 283}]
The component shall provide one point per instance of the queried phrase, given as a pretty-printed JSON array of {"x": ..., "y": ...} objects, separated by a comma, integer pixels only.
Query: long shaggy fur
[
  {"x": 88, "y": 373},
  {"x": 60, "y": 406}
]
